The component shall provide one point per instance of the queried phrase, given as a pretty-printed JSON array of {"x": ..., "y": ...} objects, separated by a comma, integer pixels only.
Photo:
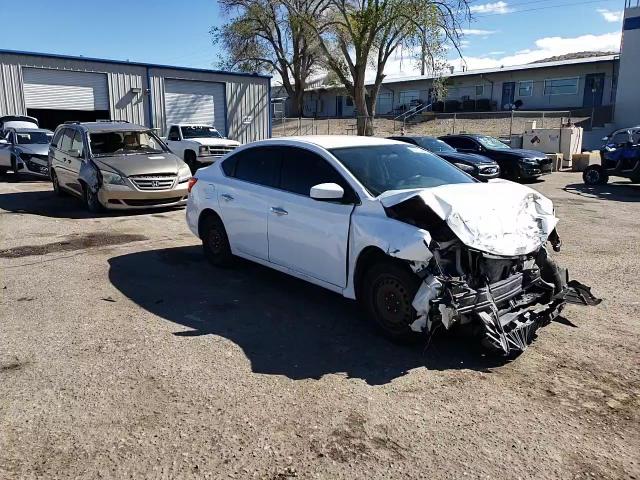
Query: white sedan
[{"x": 416, "y": 241}]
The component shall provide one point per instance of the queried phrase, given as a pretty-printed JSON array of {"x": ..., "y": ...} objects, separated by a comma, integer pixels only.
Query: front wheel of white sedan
[
  {"x": 389, "y": 288},
  {"x": 215, "y": 242}
]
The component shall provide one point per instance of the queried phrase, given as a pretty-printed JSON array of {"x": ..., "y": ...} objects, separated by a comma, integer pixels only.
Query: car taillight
[{"x": 192, "y": 182}]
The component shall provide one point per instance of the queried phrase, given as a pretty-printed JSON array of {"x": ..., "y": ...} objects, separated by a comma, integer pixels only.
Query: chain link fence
[{"x": 497, "y": 124}]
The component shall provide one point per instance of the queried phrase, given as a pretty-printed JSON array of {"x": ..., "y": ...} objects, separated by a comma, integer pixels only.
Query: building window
[
  {"x": 561, "y": 86},
  {"x": 349, "y": 101},
  {"x": 479, "y": 90},
  {"x": 525, "y": 89},
  {"x": 407, "y": 96}
]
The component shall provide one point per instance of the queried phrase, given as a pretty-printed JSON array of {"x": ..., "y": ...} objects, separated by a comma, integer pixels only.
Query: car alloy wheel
[{"x": 592, "y": 177}]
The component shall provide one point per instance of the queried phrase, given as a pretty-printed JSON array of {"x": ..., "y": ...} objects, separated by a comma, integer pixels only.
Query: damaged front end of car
[{"x": 507, "y": 289}]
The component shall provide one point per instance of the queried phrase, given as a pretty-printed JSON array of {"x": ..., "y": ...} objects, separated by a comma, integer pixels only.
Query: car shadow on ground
[
  {"x": 615, "y": 191},
  {"x": 46, "y": 203},
  {"x": 285, "y": 326}
]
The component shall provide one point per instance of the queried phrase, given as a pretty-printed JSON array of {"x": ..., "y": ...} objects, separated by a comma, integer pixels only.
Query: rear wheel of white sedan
[
  {"x": 388, "y": 289},
  {"x": 215, "y": 242}
]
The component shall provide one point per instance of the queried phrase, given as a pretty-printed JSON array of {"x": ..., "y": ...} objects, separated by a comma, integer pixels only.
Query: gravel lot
[{"x": 124, "y": 355}]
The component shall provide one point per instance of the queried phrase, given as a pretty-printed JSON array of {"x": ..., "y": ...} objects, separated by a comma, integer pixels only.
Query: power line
[{"x": 542, "y": 8}]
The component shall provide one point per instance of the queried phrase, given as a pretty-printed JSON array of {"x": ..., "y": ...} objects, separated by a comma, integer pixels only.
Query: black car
[
  {"x": 478, "y": 166},
  {"x": 515, "y": 163}
]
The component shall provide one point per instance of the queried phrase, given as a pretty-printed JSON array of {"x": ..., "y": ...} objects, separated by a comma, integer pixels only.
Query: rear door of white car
[
  {"x": 245, "y": 197},
  {"x": 306, "y": 235}
]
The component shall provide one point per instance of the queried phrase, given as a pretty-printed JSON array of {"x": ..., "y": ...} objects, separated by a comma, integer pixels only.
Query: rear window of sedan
[{"x": 380, "y": 168}]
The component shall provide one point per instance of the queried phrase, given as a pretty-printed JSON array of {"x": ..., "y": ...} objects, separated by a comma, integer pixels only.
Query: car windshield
[
  {"x": 380, "y": 168},
  {"x": 435, "y": 145},
  {"x": 200, "y": 132},
  {"x": 123, "y": 143},
  {"x": 33, "y": 138},
  {"x": 492, "y": 143}
]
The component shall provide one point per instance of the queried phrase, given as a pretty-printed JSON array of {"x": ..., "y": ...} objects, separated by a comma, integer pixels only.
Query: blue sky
[{"x": 176, "y": 33}]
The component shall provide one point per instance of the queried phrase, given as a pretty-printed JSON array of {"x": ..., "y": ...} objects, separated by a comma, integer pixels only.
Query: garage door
[
  {"x": 65, "y": 90},
  {"x": 195, "y": 102}
]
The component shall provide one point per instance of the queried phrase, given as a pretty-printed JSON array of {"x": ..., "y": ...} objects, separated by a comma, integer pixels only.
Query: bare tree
[
  {"x": 357, "y": 34},
  {"x": 270, "y": 36}
]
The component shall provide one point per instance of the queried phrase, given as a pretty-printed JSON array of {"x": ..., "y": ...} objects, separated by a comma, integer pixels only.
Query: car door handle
[
  {"x": 227, "y": 197},
  {"x": 279, "y": 211}
]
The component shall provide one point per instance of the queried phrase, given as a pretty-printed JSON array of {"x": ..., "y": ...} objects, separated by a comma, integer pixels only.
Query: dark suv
[
  {"x": 515, "y": 163},
  {"x": 478, "y": 166}
]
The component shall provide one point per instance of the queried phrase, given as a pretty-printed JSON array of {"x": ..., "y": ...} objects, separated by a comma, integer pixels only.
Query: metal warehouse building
[{"x": 58, "y": 88}]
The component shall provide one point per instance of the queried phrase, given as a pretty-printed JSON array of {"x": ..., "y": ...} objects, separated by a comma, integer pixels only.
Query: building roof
[
  {"x": 510, "y": 68},
  {"x": 485, "y": 71},
  {"x": 122, "y": 62}
]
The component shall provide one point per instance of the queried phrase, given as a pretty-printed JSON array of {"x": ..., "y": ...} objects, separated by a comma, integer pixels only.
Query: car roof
[
  {"x": 331, "y": 141},
  {"x": 30, "y": 130},
  {"x": 94, "y": 127},
  {"x": 413, "y": 137}
]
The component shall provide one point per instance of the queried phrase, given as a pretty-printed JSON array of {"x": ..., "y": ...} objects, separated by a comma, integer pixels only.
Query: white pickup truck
[{"x": 198, "y": 145}]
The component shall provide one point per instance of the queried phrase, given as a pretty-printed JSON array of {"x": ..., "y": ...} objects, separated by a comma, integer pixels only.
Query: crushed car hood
[{"x": 500, "y": 217}]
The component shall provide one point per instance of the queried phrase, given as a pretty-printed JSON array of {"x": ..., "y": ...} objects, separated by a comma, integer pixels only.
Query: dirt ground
[{"x": 123, "y": 354}]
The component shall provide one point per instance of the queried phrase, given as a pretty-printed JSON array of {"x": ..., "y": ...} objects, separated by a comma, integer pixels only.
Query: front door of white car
[
  {"x": 245, "y": 197},
  {"x": 306, "y": 235}
]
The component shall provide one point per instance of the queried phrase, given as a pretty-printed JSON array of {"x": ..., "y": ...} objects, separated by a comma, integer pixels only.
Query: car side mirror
[{"x": 327, "y": 191}]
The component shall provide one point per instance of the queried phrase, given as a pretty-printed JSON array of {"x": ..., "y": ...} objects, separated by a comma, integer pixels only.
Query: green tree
[
  {"x": 357, "y": 35},
  {"x": 269, "y": 36}
]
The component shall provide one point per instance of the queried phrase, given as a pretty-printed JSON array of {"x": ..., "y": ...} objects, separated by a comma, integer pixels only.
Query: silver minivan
[{"x": 116, "y": 165}]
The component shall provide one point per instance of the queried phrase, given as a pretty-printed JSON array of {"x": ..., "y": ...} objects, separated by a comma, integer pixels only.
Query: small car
[
  {"x": 478, "y": 166},
  {"x": 619, "y": 156},
  {"x": 515, "y": 163},
  {"x": 25, "y": 150},
  {"x": 116, "y": 165},
  {"x": 417, "y": 242}
]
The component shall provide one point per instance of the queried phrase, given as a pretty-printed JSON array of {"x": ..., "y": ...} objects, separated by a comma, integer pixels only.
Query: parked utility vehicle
[
  {"x": 619, "y": 156},
  {"x": 416, "y": 241},
  {"x": 198, "y": 145}
]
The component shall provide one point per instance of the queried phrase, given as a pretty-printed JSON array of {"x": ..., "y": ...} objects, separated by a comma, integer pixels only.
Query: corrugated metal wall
[
  {"x": 247, "y": 97},
  {"x": 11, "y": 94},
  {"x": 247, "y": 101}
]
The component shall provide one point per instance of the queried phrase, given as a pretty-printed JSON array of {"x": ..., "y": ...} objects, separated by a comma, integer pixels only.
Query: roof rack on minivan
[{"x": 72, "y": 122}]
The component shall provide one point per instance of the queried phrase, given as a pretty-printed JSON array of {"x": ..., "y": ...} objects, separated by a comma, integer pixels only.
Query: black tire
[
  {"x": 3, "y": 170},
  {"x": 56, "y": 184},
  {"x": 91, "y": 201},
  {"x": 190, "y": 160},
  {"x": 388, "y": 290},
  {"x": 215, "y": 242},
  {"x": 595, "y": 175}
]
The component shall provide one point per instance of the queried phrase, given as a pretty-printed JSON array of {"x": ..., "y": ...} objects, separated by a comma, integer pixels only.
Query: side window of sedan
[
  {"x": 466, "y": 144},
  {"x": 260, "y": 165},
  {"x": 302, "y": 169}
]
